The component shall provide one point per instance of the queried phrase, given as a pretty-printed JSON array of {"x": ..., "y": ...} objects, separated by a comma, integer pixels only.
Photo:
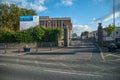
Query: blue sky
[{"x": 85, "y": 14}]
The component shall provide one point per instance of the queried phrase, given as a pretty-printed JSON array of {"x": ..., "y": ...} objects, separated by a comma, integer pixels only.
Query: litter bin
[{"x": 26, "y": 49}]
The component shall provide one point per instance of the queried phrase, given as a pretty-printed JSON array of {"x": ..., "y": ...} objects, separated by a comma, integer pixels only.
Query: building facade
[{"x": 47, "y": 22}]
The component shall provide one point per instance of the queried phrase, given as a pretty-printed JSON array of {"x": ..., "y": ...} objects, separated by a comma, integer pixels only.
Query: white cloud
[
  {"x": 81, "y": 28},
  {"x": 65, "y": 3},
  {"x": 37, "y": 5},
  {"x": 94, "y": 19},
  {"x": 110, "y": 15}
]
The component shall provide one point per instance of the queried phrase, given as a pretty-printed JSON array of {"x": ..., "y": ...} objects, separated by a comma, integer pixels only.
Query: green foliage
[
  {"x": 109, "y": 29},
  {"x": 51, "y": 34},
  {"x": 85, "y": 33},
  {"x": 7, "y": 36},
  {"x": 10, "y": 16},
  {"x": 35, "y": 34}
]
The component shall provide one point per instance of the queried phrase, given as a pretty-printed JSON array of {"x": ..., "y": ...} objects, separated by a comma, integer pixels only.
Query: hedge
[{"x": 35, "y": 34}]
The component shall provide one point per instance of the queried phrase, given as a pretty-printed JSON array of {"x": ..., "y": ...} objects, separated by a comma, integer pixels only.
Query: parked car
[
  {"x": 117, "y": 42},
  {"x": 112, "y": 47}
]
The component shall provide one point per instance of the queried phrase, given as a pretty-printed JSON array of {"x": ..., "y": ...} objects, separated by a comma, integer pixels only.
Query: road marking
[
  {"x": 72, "y": 73},
  {"x": 112, "y": 55},
  {"x": 3, "y": 64},
  {"x": 101, "y": 53}
]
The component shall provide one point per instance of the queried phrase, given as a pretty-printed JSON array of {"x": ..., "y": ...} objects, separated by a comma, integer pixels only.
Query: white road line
[
  {"x": 72, "y": 73},
  {"x": 112, "y": 55},
  {"x": 3, "y": 64},
  {"x": 101, "y": 53}
]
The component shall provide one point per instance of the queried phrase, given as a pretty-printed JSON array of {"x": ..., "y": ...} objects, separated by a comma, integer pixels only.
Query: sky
[{"x": 85, "y": 14}]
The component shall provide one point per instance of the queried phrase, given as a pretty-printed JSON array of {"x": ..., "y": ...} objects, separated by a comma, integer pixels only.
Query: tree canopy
[
  {"x": 10, "y": 16},
  {"x": 85, "y": 33},
  {"x": 109, "y": 29}
]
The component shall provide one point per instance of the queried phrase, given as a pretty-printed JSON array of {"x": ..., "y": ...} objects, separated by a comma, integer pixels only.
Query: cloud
[
  {"x": 37, "y": 5},
  {"x": 81, "y": 28},
  {"x": 65, "y": 3},
  {"x": 110, "y": 15}
]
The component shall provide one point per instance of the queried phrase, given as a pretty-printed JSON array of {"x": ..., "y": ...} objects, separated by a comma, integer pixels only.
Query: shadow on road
[
  {"x": 64, "y": 52},
  {"x": 51, "y": 53}
]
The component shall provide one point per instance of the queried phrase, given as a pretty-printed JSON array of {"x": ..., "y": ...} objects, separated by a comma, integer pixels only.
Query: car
[
  {"x": 117, "y": 42},
  {"x": 112, "y": 47}
]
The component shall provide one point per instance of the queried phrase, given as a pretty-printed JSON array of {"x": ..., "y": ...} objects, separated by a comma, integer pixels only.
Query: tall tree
[{"x": 10, "y": 16}]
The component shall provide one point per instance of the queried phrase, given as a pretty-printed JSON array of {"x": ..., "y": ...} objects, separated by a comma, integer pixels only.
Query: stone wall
[{"x": 20, "y": 45}]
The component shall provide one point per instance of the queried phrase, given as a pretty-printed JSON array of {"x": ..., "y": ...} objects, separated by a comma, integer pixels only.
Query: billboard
[{"x": 27, "y": 22}]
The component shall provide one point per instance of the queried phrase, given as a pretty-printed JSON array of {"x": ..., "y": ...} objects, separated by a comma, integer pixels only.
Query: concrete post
[
  {"x": 100, "y": 34},
  {"x": 66, "y": 37}
]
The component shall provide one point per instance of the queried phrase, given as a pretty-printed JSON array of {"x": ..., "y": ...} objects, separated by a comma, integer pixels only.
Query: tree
[
  {"x": 9, "y": 16},
  {"x": 85, "y": 33},
  {"x": 110, "y": 29}
]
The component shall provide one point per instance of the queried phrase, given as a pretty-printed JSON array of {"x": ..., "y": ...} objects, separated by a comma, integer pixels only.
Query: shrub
[{"x": 35, "y": 34}]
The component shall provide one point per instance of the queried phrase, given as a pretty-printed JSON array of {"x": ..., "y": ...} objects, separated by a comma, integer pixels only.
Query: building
[
  {"x": 45, "y": 21},
  {"x": 61, "y": 23},
  {"x": 116, "y": 32}
]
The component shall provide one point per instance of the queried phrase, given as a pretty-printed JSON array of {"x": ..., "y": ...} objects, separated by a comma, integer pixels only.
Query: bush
[
  {"x": 51, "y": 35},
  {"x": 35, "y": 34},
  {"x": 7, "y": 36}
]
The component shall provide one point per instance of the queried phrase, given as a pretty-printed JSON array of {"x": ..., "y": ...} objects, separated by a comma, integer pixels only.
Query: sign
[
  {"x": 107, "y": 38},
  {"x": 27, "y": 22}
]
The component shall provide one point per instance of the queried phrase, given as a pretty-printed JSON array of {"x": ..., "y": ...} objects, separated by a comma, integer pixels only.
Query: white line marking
[
  {"x": 3, "y": 64},
  {"x": 101, "y": 54},
  {"x": 81, "y": 74}
]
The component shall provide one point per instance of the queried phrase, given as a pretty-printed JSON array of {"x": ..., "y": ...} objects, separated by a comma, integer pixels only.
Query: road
[{"x": 79, "y": 63}]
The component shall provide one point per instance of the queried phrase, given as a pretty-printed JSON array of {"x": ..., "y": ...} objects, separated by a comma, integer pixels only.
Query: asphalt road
[{"x": 86, "y": 63}]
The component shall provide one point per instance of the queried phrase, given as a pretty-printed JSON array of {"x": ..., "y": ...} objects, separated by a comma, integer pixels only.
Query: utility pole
[{"x": 114, "y": 34}]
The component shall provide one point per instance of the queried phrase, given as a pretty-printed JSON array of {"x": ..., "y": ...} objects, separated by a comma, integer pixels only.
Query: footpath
[{"x": 48, "y": 50}]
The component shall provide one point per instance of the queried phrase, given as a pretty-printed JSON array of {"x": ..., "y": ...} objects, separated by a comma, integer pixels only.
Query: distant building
[
  {"x": 55, "y": 22},
  {"x": 27, "y": 22},
  {"x": 116, "y": 32},
  {"x": 93, "y": 35},
  {"x": 61, "y": 23}
]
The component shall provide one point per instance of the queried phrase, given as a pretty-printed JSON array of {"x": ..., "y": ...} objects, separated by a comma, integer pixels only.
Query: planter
[{"x": 26, "y": 49}]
